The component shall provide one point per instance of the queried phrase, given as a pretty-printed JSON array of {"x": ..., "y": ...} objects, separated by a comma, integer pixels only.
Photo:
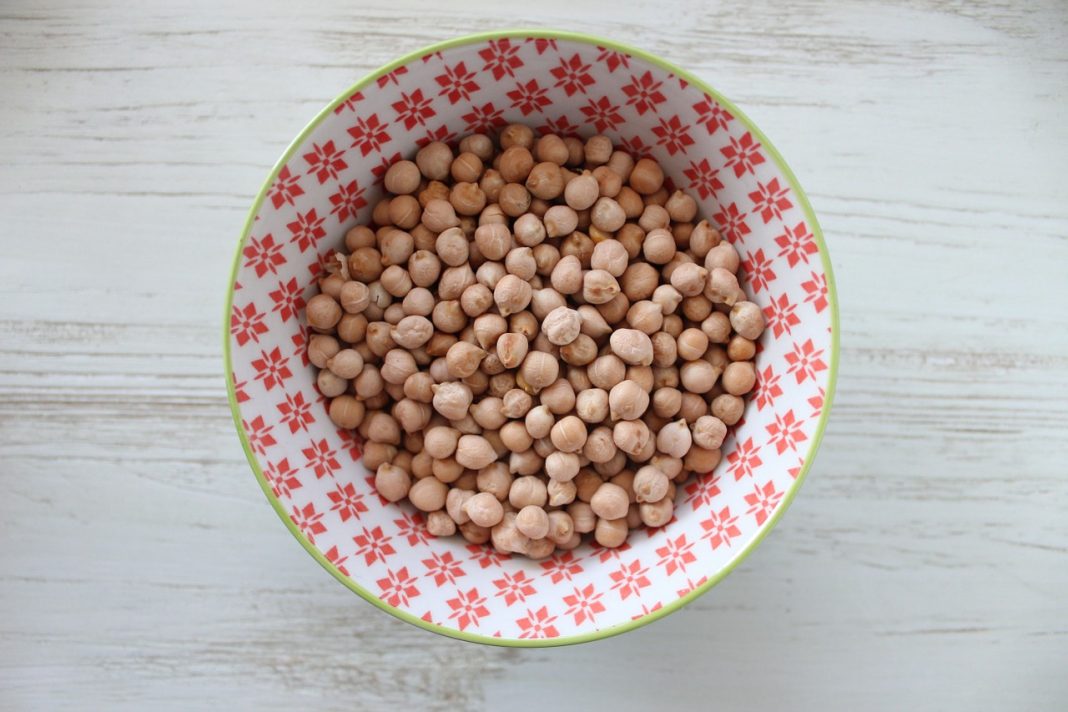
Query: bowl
[{"x": 327, "y": 181}]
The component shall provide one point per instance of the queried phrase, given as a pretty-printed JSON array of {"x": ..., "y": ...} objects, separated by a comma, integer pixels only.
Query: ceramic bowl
[{"x": 327, "y": 181}]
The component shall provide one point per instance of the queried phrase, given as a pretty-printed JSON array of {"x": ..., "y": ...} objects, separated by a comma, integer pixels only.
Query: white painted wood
[{"x": 923, "y": 566}]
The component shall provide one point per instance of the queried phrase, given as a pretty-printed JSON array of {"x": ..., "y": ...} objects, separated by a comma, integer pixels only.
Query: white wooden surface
[{"x": 923, "y": 566}]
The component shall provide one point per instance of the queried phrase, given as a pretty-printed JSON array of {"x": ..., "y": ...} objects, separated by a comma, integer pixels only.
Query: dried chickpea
[
  {"x": 599, "y": 286},
  {"x": 330, "y": 384},
  {"x": 689, "y": 279},
  {"x": 346, "y": 412},
  {"x": 321, "y": 348},
  {"x": 483, "y": 509},
  {"x": 559, "y": 220},
  {"x": 434, "y": 160},
  {"x": 392, "y": 482},
  {"x": 627, "y": 401},
  {"x": 747, "y": 319},
  {"x": 646, "y": 177},
  {"x": 611, "y": 533},
  {"x": 322, "y": 312},
  {"x": 723, "y": 256},
  {"x": 527, "y": 490},
  {"x": 740, "y": 349},
  {"x": 479, "y": 144},
  {"x": 657, "y": 514},
  {"x": 739, "y": 377},
  {"x": 607, "y": 215}
]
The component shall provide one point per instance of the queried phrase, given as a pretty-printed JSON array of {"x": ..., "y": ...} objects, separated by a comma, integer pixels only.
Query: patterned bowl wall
[{"x": 328, "y": 182}]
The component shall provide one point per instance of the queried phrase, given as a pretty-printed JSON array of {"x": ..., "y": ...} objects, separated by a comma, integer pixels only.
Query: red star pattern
[
  {"x": 413, "y": 109},
  {"x": 514, "y": 588},
  {"x": 346, "y": 501},
  {"x": 770, "y": 200},
  {"x": 583, "y": 604},
  {"x": 282, "y": 478},
  {"x": 296, "y": 412},
  {"x": 285, "y": 189},
  {"x": 767, "y": 388},
  {"x": 731, "y": 221},
  {"x": 643, "y": 93},
  {"x": 347, "y": 201},
  {"x": 246, "y": 324},
  {"x": 744, "y": 460},
  {"x": 629, "y": 579},
  {"x": 712, "y": 116},
  {"x": 613, "y": 60},
  {"x": 485, "y": 556},
  {"x": 603, "y": 114},
  {"x": 368, "y": 135},
  {"x": 307, "y": 230},
  {"x": 797, "y": 244},
  {"x": 757, "y": 267},
  {"x": 259, "y": 435},
  {"x": 263, "y": 255},
  {"x": 443, "y": 568},
  {"x": 398, "y": 587},
  {"x": 457, "y": 83},
  {"x": 483, "y": 119},
  {"x": 720, "y": 527},
  {"x": 271, "y": 368},
  {"x": 572, "y": 75},
  {"x": 703, "y": 178},
  {"x": 805, "y": 361},
  {"x": 702, "y": 490},
  {"x": 780, "y": 315},
  {"x": 672, "y": 135},
  {"x": 321, "y": 458},
  {"x": 334, "y": 557},
  {"x": 307, "y": 520},
  {"x": 373, "y": 545},
  {"x": 543, "y": 44},
  {"x": 561, "y": 566},
  {"x": 762, "y": 501},
  {"x": 325, "y": 161},
  {"x": 786, "y": 432},
  {"x": 529, "y": 97},
  {"x": 537, "y": 624},
  {"x": 501, "y": 58},
  {"x": 816, "y": 291},
  {"x": 675, "y": 554},
  {"x": 288, "y": 299},
  {"x": 467, "y": 608},
  {"x": 743, "y": 154}
]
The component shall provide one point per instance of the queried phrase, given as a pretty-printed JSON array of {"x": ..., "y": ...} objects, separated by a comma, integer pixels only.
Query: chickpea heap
[{"x": 535, "y": 341}]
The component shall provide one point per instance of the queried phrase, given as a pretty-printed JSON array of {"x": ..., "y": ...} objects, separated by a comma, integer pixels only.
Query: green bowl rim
[{"x": 810, "y": 217}]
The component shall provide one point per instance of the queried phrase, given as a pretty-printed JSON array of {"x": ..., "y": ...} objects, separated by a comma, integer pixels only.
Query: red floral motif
[
  {"x": 537, "y": 624},
  {"x": 720, "y": 528},
  {"x": 391, "y": 78},
  {"x": 584, "y": 604},
  {"x": 283, "y": 478},
  {"x": 529, "y": 97},
  {"x": 285, "y": 188},
  {"x": 467, "y": 608},
  {"x": 398, "y": 587},
  {"x": 441, "y": 133},
  {"x": 541, "y": 44},
  {"x": 643, "y": 93},
  {"x": 758, "y": 267},
  {"x": 732, "y": 223},
  {"x": 603, "y": 114},
  {"x": 307, "y": 230},
  {"x": 349, "y": 104},
  {"x": 786, "y": 432},
  {"x": 296, "y": 412},
  {"x": 816, "y": 402},
  {"x": 780, "y": 315},
  {"x": 501, "y": 58},
  {"x": 767, "y": 388},
  {"x": 239, "y": 388},
  {"x": 368, "y": 134},
  {"x": 485, "y": 556},
  {"x": 675, "y": 554},
  {"x": 816, "y": 289},
  {"x": 347, "y": 502},
  {"x": 604, "y": 553},
  {"x": 379, "y": 171},
  {"x": 318, "y": 267},
  {"x": 264, "y": 255},
  {"x": 629, "y": 579},
  {"x": 325, "y": 161},
  {"x": 350, "y": 443},
  {"x": 636, "y": 147},
  {"x": 411, "y": 527},
  {"x": 307, "y": 520},
  {"x": 271, "y": 368},
  {"x": 514, "y": 588},
  {"x": 762, "y": 501},
  {"x": 703, "y": 178},
  {"x": 673, "y": 135},
  {"x": 335, "y": 558},
  {"x": 805, "y": 361},
  {"x": 413, "y": 109},
  {"x": 443, "y": 568},
  {"x": 562, "y": 566},
  {"x": 246, "y": 324},
  {"x": 691, "y": 586},
  {"x": 259, "y": 435},
  {"x": 701, "y": 491},
  {"x": 712, "y": 115},
  {"x": 770, "y": 200},
  {"x": 614, "y": 60},
  {"x": 347, "y": 201},
  {"x": 288, "y": 300},
  {"x": 797, "y": 244},
  {"x": 744, "y": 460},
  {"x": 321, "y": 459},
  {"x": 742, "y": 155},
  {"x": 483, "y": 119},
  {"x": 646, "y": 610},
  {"x": 457, "y": 83},
  {"x": 373, "y": 545},
  {"x": 560, "y": 126},
  {"x": 572, "y": 75},
  {"x": 300, "y": 343}
]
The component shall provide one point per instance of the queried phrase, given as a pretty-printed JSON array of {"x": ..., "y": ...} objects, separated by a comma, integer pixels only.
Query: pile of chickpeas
[{"x": 535, "y": 340}]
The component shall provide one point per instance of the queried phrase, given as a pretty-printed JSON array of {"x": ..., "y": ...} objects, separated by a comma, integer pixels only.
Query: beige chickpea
[
  {"x": 646, "y": 177},
  {"x": 610, "y": 256},
  {"x": 321, "y": 348},
  {"x": 598, "y": 150},
  {"x": 692, "y": 344},
  {"x": 657, "y": 198},
  {"x": 491, "y": 184},
  {"x": 493, "y": 241},
  {"x": 539, "y": 421},
  {"x": 723, "y": 288},
  {"x": 466, "y": 168},
  {"x": 551, "y": 147},
  {"x": 359, "y": 236},
  {"x": 527, "y": 490},
  {"x": 728, "y": 408},
  {"x": 606, "y": 371},
  {"x": 467, "y": 199},
  {"x": 516, "y": 164},
  {"x": 529, "y": 231},
  {"x": 483, "y": 509},
  {"x": 440, "y": 524},
  {"x": 558, "y": 397},
  {"x": 507, "y": 538},
  {"x": 592, "y": 405},
  {"x": 709, "y": 432},
  {"x": 489, "y": 273},
  {"x": 538, "y": 549},
  {"x": 474, "y": 534},
  {"x": 516, "y": 403},
  {"x": 645, "y": 316},
  {"x": 383, "y": 428},
  {"x": 511, "y": 294},
  {"x": 428, "y": 494},
  {"x": 495, "y": 479},
  {"x": 654, "y": 217},
  {"x": 346, "y": 363},
  {"x": 434, "y": 190},
  {"x": 599, "y": 286},
  {"x": 717, "y": 328},
  {"x": 693, "y": 407},
  {"x": 657, "y": 514},
  {"x": 599, "y": 447},
  {"x": 559, "y": 220},
  {"x": 375, "y": 454},
  {"x": 611, "y": 533},
  {"x": 354, "y": 297},
  {"x": 511, "y": 349},
  {"x": 452, "y": 399},
  {"x": 546, "y": 256},
  {"x": 520, "y": 262},
  {"x": 439, "y": 215},
  {"x": 659, "y": 247},
  {"x": 367, "y": 385},
  {"x": 627, "y": 401},
  {"x": 452, "y": 247},
  {"x": 631, "y": 436},
  {"x": 515, "y": 437},
  {"x": 569, "y": 434},
  {"x": 609, "y": 182},
  {"x": 561, "y": 527},
  {"x": 392, "y": 482},
  {"x": 632, "y": 346},
  {"x": 689, "y": 279},
  {"x": 747, "y": 319},
  {"x": 593, "y": 324},
  {"x": 639, "y": 281},
  {"x": 516, "y": 135},
  {"x": 740, "y": 348},
  {"x": 562, "y": 466},
  {"x": 567, "y": 276},
  {"x": 665, "y": 350},
  {"x": 396, "y": 281},
  {"x": 702, "y": 239},
  {"x": 610, "y": 501},
  {"x": 739, "y": 377},
  {"x": 586, "y": 484},
  {"x": 674, "y": 439},
  {"x": 698, "y": 376},
  {"x": 352, "y": 328},
  {"x": 365, "y": 264},
  {"x": 666, "y": 402},
  {"x": 545, "y": 181},
  {"x": 419, "y": 301},
  {"x": 463, "y": 359},
  {"x": 578, "y": 244},
  {"x": 582, "y": 517},
  {"x": 412, "y": 415},
  {"x": 575, "y": 151},
  {"x": 447, "y": 470},
  {"x": 525, "y": 463},
  {"x": 532, "y": 521},
  {"x": 581, "y": 193},
  {"x": 538, "y": 370},
  {"x": 607, "y": 215},
  {"x": 701, "y": 460},
  {"x": 434, "y": 160},
  {"x": 454, "y": 504},
  {"x": 322, "y": 312},
  {"x": 561, "y": 325},
  {"x": 397, "y": 365},
  {"x": 643, "y": 376},
  {"x": 346, "y": 412},
  {"x": 475, "y": 300},
  {"x": 723, "y": 256},
  {"x": 479, "y": 144},
  {"x": 404, "y": 211},
  {"x": 681, "y": 207}
]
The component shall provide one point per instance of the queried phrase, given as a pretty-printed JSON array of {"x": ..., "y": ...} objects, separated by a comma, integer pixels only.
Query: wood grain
[{"x": 923, "y": 565}]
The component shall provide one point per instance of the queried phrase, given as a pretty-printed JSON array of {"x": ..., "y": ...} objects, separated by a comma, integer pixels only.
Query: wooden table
[{"x": 923, "y": 566}]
